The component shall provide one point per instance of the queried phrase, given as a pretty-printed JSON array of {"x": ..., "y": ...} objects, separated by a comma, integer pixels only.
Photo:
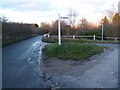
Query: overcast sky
[{"x": 37, "y": 11}]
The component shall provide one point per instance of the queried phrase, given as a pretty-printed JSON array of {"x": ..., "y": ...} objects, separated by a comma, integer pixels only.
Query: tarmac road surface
[{"x": 21, "y": 64}]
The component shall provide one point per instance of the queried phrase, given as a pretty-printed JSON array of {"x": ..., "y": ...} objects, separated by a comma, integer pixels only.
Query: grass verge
[
  {"x": 74, "y": 51},
  {"x": 68, "y": 40}
]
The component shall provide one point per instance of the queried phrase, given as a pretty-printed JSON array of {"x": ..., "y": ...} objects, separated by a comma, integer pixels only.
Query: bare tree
[
  {"x": 84, "y": 21},
  {"x": 72, "y": 14},
  {"x": 111, "y": 12},
  {"x": 3, "y": 19},
  {"x": 72, "y": 17}
]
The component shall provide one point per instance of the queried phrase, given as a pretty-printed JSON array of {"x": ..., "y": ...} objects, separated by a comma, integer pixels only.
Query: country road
[
  {"x": 21, "y": 64},
  {"x": 21, "y": 68}
]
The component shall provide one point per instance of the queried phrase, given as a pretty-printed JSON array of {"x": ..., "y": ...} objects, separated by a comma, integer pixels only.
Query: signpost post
[
  {"x": 102, "y": 21},
  {"x": 59, "y": 31}
]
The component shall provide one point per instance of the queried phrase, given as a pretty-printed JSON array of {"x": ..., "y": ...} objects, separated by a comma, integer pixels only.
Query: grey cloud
[{"x": 28, "y": 6}]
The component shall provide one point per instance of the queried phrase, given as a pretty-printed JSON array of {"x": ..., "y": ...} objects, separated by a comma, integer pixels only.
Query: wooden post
[
  {"x": 116, "y": 39},
  {"x": 94, "y": 37},
  {"x": 73, "y": 36}
]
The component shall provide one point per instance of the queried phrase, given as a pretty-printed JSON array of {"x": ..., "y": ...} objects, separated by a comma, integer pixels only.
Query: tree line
[
  {"x": 12, "y": 31},
  {"x": 111, "y": 27}
]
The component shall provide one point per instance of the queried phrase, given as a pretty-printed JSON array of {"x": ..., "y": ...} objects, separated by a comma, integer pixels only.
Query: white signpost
[
  {"x": 102, "y": 21},
  {"x": 59, "y": 31}
]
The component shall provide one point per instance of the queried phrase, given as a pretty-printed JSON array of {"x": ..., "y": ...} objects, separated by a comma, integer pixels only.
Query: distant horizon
[{"x": 47, "y": 11}]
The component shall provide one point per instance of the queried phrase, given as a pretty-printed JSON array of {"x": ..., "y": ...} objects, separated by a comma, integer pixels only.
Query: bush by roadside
[{"x": 15, "y": 32}]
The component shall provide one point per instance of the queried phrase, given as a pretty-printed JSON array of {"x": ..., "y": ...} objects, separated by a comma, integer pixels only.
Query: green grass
[
  {"x": 75, "y": 51},
  {"x": 68, "y": 40}
]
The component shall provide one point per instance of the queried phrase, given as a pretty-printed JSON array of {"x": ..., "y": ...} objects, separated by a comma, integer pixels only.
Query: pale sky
[{"x": 37, "y": 11}]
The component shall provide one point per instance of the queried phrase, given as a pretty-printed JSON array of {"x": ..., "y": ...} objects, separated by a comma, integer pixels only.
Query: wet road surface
[
  {"x": 22, "y": 68},
  {"x": 21, "y": 64}
]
